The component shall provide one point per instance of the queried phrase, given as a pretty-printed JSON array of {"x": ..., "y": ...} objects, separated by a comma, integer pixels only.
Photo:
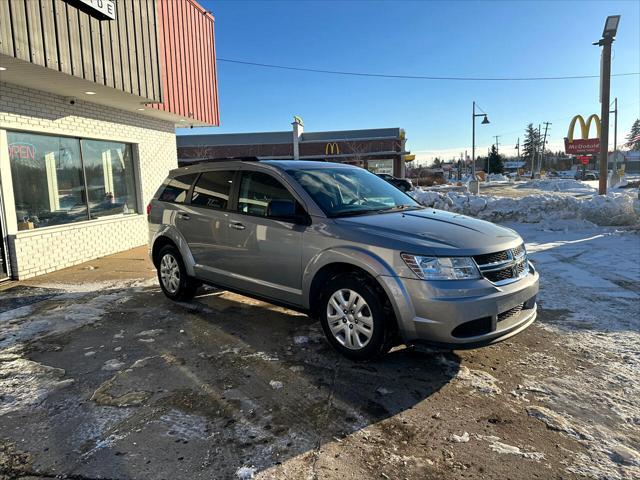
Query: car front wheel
[
  {"x": 172, "y": 275},
  {"x": 354, "y": 320}
]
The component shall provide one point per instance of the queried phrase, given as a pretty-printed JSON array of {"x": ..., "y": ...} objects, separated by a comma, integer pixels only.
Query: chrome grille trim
[{"x": 512, "y": 266}]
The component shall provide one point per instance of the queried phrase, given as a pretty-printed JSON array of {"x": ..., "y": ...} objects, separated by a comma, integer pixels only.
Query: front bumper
[{"x": 462, "y": 314}]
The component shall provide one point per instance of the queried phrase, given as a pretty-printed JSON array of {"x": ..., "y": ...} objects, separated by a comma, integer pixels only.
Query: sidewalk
[{"x": 128, "y": 265}]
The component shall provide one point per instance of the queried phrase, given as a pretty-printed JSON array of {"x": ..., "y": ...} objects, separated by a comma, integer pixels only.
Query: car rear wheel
[
  {"x": 354, "y": 319},
  {"x": 172, "y": 275}
]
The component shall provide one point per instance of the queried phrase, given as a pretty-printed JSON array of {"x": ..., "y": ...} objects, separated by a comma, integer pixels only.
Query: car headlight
[{"x": 442, "y": 268}]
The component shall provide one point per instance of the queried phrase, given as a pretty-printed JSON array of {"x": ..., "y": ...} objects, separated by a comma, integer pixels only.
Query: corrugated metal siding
[
  {"x": 188, "y": 60},
  {"x": 119, "y": 53}
]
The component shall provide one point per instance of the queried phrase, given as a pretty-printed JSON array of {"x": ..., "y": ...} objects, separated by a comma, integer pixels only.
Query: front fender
[
  {"x": 176, "y": 237},
  {"x": 372, "y": 263}
]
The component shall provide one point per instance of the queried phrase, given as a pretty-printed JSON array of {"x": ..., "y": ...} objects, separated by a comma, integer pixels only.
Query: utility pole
[
  {"x": 489, "y": 152},
  {"x": 615, "y": 135},
  {"x": 608, "y": 35},
  {"x": 544, "y": 142},
  {"x": 518, "y": 148}
]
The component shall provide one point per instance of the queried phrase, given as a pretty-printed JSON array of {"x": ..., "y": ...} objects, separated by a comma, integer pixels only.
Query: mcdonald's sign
[
  {"x": 332, "y": 148},
  {"x": 583, "y": 145}
]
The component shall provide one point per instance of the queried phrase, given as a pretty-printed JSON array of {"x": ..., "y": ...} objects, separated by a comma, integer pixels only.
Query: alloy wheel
[
  {"x": 170, "y": 273},
  {"x": 350, "y": 319}
]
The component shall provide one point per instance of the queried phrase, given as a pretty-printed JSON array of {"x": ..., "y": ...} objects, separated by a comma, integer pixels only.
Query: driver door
[{"x": 265, "y": 254}]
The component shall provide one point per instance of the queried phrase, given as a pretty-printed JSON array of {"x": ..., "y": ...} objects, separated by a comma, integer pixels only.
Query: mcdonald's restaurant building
[
  {"x": 380, "y": 150},
  {"x": 91, "y": 93}
]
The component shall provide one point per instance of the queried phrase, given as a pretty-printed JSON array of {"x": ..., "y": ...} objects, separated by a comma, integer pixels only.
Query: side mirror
[{"x": 285, "y": 210}]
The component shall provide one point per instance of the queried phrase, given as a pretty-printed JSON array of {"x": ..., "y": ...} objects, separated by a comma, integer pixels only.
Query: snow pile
[
  {"x": 614, "y": 209},
  {"x": 497, "y": 177},
  {"x": 559, "y": 185}
]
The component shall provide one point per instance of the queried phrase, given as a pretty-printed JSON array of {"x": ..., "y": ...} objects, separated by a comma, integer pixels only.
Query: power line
[{"x": 418, "y": 77}]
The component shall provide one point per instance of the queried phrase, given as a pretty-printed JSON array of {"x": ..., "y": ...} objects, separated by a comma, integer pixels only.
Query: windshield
[{"x": 351, "y": 191}]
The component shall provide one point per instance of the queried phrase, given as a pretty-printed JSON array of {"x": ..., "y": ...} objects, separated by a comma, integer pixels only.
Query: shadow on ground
[{"x": 198, "y": 390}]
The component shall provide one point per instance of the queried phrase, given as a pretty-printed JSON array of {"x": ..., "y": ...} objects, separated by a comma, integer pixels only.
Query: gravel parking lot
[{"x": 102, "y": 377}]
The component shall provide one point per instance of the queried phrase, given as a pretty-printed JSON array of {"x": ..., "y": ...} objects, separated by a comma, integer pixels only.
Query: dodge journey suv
[{"x": 341, "y": 244}]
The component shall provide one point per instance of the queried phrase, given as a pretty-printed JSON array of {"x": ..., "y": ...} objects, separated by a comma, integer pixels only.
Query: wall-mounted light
[
  {"x": 90, "y": 93},
  {"x": 2, "y": 69}
]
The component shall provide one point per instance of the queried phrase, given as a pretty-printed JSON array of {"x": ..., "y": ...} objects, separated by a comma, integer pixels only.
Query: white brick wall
[{"x": 47, "y": 249}]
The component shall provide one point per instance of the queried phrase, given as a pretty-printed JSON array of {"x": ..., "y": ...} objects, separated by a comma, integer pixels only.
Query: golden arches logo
[
  {"x": 332, "y": 148},
  {"x": 584, "y": 126}
]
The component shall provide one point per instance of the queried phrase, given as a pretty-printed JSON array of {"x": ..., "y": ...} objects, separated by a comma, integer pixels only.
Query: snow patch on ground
[
  {"x": 464, "y": 438},
  {"x": 246, "y": 473},
  {"x": 78, "y": 305},
  {"x": 25, "y": 384},
  {"x": 480, "y": 380},
  {"x": 590, "y": 289},
  {"x": 559, "y": 185},
  {"x": 500, "y": 447},
  {"x": 185, "y": 426}
]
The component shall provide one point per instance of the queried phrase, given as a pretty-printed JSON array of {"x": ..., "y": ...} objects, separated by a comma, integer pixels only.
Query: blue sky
[{"x": 420, "y": 38}]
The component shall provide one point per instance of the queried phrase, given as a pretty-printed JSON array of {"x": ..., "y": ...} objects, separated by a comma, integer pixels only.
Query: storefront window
[
  {"x": 381, "y": 166},
  {"x": 49, "y": 179},
  {"x": 110, "y": 179}
]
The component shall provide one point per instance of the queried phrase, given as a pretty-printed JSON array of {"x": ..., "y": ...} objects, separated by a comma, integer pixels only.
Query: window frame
[
  {"x": 282, "y": 182},
  {"x": 135, "y": 172},
  {"x": 232, "y": 191},
  {"x": 189, "y": 191}
]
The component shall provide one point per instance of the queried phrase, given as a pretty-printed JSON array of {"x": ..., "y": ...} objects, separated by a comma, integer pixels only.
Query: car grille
[
  {"x": 512, "y": 312},
  {"x": 505, "y": 266}
]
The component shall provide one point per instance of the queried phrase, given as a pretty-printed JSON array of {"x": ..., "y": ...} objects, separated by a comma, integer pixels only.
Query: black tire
[
  {"x": 384, "y": 332},
  {"x": 186, "y": 287}
]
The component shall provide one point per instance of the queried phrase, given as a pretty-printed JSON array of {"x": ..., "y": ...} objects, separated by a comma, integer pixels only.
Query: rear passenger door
[
  {"x": 265, "y": 254},
  {"x": 205, "y": 224}
]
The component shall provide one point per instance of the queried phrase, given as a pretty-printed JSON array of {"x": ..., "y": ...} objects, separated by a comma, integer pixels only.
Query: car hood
[{"x": 431, "y": 231}]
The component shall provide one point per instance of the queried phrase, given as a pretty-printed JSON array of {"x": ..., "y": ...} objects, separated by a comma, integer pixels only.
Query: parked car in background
[
  {"x": 587, "y": 175},
  {"x": 340, "y": 244},
  {"x": 401, "y": 183}
]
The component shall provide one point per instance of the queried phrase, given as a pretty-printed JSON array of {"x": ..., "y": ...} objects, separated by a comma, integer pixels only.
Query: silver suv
[{"x": 346, "y": 247}]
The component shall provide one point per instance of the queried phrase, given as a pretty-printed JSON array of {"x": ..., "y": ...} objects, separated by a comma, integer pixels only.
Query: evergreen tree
[
  {"x": 531, "y": 145},
  {"x": 634, "y": 136},
  {"x": 437, "y": 163},
  {"x": 495, "y": 161}
]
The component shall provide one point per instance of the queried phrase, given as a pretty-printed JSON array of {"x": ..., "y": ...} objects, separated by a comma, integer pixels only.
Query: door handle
[
  {"x": 237, "y": 225},
  {"x": 184, "y": 216}
]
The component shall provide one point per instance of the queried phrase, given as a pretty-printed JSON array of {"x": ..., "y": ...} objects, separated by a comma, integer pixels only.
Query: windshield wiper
[
  {"x": 353, "y": 213},
  {"x": 398, "y": 208},
  {"x": 371, "y": 211}
]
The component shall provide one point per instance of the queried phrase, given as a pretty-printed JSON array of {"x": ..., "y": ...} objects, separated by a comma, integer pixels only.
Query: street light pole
[
  {"x": 608, "y": 35},
  {"x": 473, "y": 136},
  {"x": 615, "y": 134}
]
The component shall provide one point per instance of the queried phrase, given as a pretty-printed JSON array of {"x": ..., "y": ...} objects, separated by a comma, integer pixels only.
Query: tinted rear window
[
  {"x": 213, "y": 189},
  {"x": 177, "y": 189}
]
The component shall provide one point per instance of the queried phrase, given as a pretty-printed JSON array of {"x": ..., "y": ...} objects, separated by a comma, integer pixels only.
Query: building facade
[
  {"x": 381, "y": 150},
  {"x": 90, "y": 97}
]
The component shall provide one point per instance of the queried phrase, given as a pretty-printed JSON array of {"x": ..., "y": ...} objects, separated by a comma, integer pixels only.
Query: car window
[
  {"x": 257, "y": 189},
  {"x": 177, "y": 189},
  {"x": 213, "y": 189}
]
